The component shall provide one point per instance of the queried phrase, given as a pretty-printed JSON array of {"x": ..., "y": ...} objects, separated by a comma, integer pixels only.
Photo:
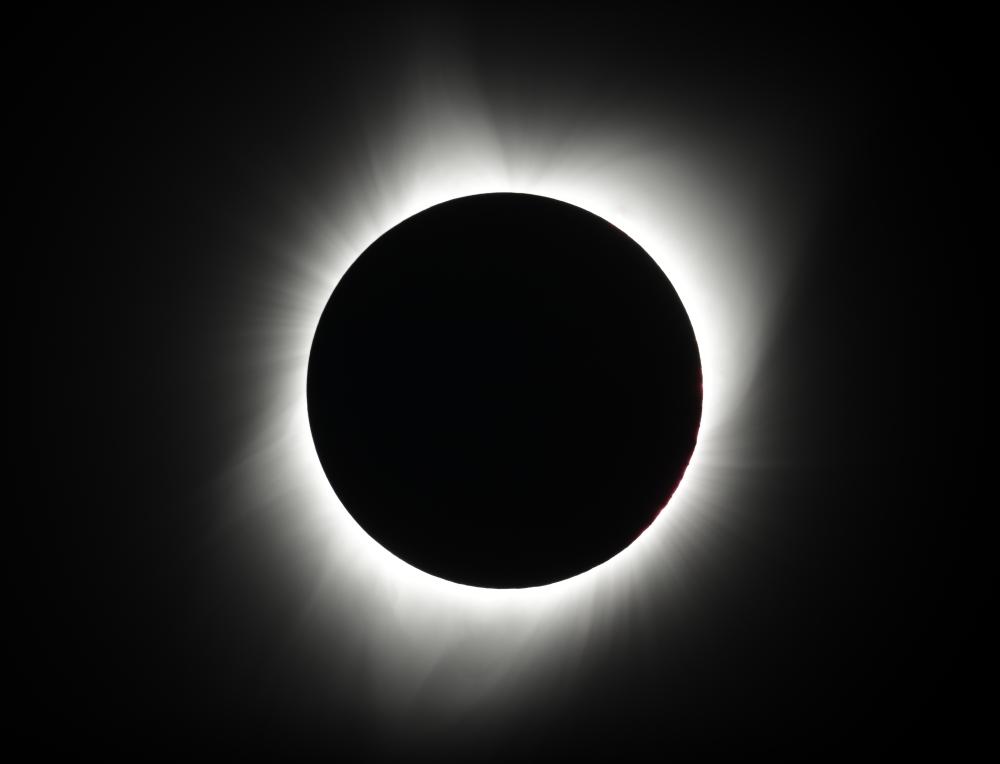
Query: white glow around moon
[{"x": 710, "y": 225}]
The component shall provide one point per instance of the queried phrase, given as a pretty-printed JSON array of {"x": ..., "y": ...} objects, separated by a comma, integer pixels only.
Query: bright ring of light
[{"x": 684, "y": 213}]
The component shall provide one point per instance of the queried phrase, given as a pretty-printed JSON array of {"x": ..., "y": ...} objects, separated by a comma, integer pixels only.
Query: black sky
[{"x": 815, "y": 623}]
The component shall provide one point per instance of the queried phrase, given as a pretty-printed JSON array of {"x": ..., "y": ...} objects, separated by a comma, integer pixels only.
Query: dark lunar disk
[{"x": 504, "y": 390}]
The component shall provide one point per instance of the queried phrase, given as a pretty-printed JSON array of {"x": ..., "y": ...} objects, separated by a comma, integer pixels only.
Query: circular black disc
[{"x": 504, "y": 390}]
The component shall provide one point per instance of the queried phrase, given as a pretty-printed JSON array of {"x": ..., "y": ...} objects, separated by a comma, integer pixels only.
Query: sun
[{"x": 665, "y": 192}]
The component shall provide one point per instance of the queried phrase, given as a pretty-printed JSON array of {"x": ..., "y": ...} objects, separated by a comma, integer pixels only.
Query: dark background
[{"x": 146, "y": 139}]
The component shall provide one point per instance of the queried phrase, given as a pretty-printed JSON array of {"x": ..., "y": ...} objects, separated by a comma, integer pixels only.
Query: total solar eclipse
[{"x": 504, "y": 390}]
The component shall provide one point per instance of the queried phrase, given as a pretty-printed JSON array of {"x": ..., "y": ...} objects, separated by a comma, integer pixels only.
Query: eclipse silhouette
[{"x": 504, "y": 390}]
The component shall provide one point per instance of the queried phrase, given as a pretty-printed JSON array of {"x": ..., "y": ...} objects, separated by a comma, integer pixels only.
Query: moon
[{"x": 504, "y": 390}]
